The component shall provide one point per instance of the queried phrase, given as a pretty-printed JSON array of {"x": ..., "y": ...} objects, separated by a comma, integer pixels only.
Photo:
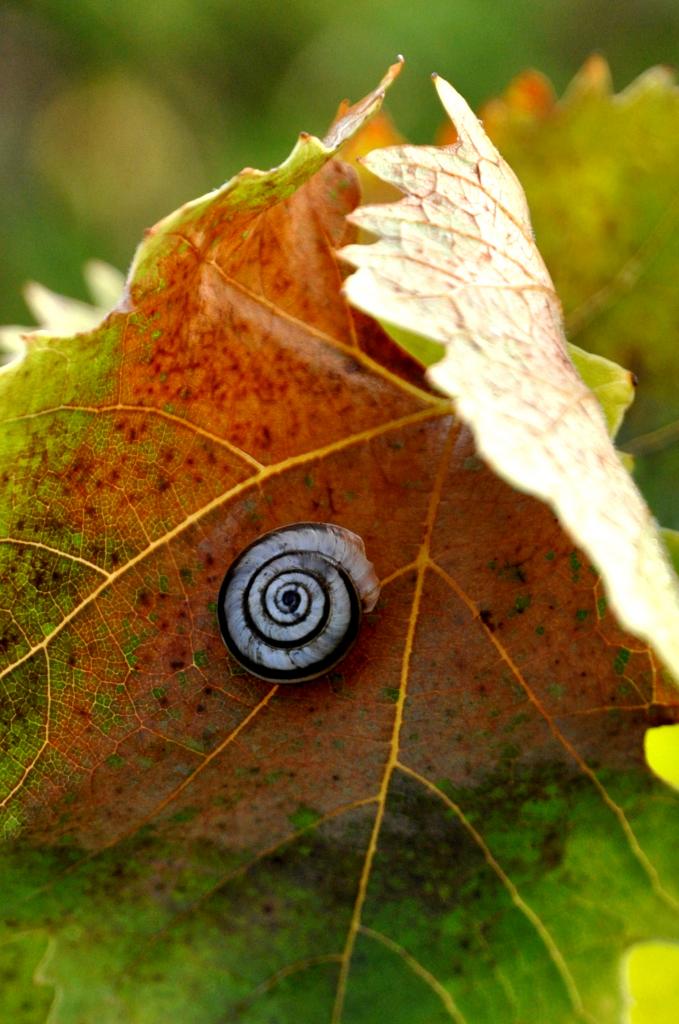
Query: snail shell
[{"x": 290, "y": 605}]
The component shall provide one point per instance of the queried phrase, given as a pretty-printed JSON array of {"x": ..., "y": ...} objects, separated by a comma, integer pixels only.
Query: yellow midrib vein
[
  {"x": 356, "y": 353},
  {"x": 421, "y": 563}
]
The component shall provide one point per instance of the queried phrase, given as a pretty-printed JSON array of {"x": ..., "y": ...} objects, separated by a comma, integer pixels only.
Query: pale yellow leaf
[
  {"x": 104, "y": 283},
  {"x": 60, "y": 316},
  {"x": 456, "y": 262}
]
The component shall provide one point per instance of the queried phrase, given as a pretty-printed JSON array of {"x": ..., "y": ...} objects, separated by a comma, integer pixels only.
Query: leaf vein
[
  {"x": 422, "y": 563},
  {"x": 553, "y": 950},
  {"x": 420, "y": 970},
  {"x": 637, "y": 851}
]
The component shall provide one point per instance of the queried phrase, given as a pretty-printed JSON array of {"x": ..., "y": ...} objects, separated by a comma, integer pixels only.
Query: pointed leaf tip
[
  {"x": 469, "y": 128},
  {"x": 355, "y": 116}
]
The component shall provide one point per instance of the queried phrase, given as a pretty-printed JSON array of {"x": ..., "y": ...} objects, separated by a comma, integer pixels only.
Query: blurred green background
[{"x": 113, "y": 112}]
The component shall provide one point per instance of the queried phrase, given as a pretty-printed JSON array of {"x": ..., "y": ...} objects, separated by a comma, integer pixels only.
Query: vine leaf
[
  {"x": 456, "y": 263},
  {"x": 618, "y": 153},
  {"x": 458, "y": 823},
  {"x": 528, "y": 96}
]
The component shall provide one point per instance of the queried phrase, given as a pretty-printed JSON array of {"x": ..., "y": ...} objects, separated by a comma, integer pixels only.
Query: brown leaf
[{"x": 198, "y": 845}]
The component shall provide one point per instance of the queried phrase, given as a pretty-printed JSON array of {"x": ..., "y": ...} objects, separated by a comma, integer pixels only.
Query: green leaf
[
  {"x": 671, "y": 539},
  {"x": 612, "y": 385}
]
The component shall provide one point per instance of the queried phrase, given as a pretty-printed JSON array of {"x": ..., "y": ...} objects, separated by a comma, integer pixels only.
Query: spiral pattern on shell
[{"x": 290, "y": 605}]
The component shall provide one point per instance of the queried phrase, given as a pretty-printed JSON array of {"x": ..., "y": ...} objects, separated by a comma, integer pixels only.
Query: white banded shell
[{"x": 290, "y": 605}]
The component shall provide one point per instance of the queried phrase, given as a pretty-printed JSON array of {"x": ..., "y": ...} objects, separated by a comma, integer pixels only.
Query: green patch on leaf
[
  {"x": 304, "y": 817},
  {"x": 621, "y": 659}
]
